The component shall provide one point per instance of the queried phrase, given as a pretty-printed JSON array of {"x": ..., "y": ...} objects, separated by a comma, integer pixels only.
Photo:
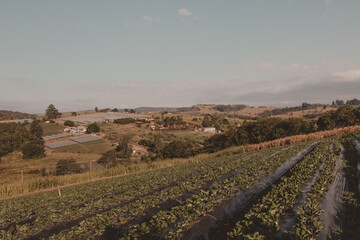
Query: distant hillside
[
  {"x": 7, "y": 115},
  {"x": 306, "y": 110},
  {"x": 162, "y": 109}
]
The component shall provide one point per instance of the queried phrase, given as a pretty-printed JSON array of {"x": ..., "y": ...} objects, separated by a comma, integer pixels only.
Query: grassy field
[
  {"x": 51, "y": 128},
  {"x": 192, "y": 135}
]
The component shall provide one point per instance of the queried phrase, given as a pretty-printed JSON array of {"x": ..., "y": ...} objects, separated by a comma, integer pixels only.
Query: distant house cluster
[{"x": 75, "y": 130}]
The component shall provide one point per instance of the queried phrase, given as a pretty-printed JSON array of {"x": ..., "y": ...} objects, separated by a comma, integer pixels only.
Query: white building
[
  {"x": 209, "y": 130},
  {"x": 75, "y": 130}
]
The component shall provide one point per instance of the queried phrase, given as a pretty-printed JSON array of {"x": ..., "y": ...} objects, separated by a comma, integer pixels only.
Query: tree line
[
  {"x": 274, "y": 128},
  {"x": 18, "y": 136}
]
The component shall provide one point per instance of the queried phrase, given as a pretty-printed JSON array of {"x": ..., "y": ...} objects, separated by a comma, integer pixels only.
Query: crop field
[{"x": 307, "y": 190}]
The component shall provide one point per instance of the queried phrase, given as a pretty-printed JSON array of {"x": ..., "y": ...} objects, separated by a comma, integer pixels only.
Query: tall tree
[
  {"x": 124, "y": 149},
  {"x": 36, "y": 129},
  {"x": 52, "y": 112},
  {"x": 93, "y": 128},
  {"x": 108, "y": 159}
]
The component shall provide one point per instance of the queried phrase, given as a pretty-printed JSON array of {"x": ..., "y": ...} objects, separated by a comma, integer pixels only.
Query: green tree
[
  {"x": 33, "y": 149},
  {"x": 108, "y": 159},
  {"x": 207, "y": 121},
  {"x": 124, "y": 149},
  {"x": 344, "y": 116},
  {"x": 69, "y": 123},
  {"x": 20, "y": 135},
  {"x": 159, "y": 145},
  {"x": 52, "y": 112},
  {"x": 67, "y": 166},
  {"x": 96, "y": 109},
  {"x": 124, "y": 120},
  {"x": 36, "y": 129},
  {"x": 74, "y": 114},
  {"x": 93, "y": 128},
  {"x": 179, "y": 149}
]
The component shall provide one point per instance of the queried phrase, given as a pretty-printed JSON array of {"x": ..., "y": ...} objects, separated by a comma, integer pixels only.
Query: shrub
[
  {"x": 179, "y": 149},
  {"x": 108, "y": 159},
  {"x": 33, "y": 150},
  {"x": 93, "y": 127},
  {"x": 69, "y": 123},
  {"x": 67, "y": 166},
  {"x": 124, "y": 120},
  {"x": 124, "y": 149}
]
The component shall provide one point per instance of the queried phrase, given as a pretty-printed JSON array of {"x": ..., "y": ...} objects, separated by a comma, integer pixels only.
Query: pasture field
[
  {"x": 51, "y": 128},
  {"x": 280, "y": 192}
]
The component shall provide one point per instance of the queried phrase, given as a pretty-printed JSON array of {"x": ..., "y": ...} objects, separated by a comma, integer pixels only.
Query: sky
[{"x": 78, "y": 54}]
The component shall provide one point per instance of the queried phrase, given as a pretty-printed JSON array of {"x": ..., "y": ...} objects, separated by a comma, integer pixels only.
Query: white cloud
[
  {"x": 347, "y": 76},
  {"x": 147, "y": 18},
  {"x": 184, "y": 12},
  {"x": 196, "y": 17}
]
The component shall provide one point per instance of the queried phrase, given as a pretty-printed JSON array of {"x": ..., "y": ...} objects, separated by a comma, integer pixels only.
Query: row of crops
[{"x": 278, "y": 192}]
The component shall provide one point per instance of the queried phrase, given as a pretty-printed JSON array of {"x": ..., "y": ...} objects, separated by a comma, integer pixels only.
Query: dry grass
[
  {"x": 252, "y": 111},
  {"x": 12, "y": 164},
  {"x": 192, "y": 135},
  {"x": 49, "y": 183},
  {"x": 302, "y": 113}
]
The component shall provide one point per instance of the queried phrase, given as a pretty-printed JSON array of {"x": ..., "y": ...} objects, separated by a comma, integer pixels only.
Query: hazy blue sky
[{"x": 78, "y": 54}]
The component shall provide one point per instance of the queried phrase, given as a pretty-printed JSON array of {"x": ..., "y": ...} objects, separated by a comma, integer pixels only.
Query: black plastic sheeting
[
  {"x": 357, "y": 145},
  {"x": 288, "y": 221},
  {"x": 228, "y": 209},
  {"x": 332, "y": 203}
]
